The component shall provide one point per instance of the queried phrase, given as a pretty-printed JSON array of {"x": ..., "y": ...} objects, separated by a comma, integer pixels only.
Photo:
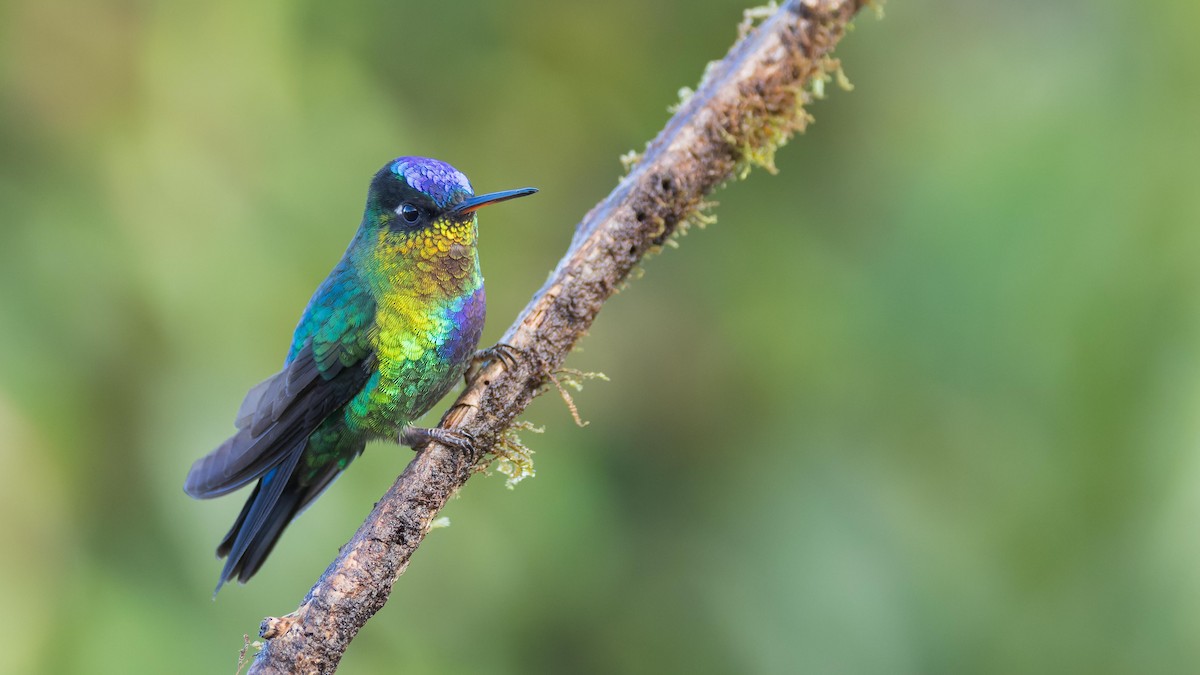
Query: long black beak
[{"x": 470, "y": 205}]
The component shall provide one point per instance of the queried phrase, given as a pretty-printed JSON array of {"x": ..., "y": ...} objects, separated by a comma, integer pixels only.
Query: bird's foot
[
  {"x": 502, "y": 352},
  {"x": 416, "y": 437}
]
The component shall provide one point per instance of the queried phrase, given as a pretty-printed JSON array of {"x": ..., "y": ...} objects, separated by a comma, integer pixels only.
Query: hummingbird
[{"x": 383, "y": 339}]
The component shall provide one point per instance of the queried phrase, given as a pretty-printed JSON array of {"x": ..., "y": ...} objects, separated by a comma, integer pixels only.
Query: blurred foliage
[{"x": 924, "y": 402}]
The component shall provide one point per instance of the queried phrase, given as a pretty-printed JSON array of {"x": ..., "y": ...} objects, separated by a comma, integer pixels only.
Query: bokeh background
[{"x": 926, "y": 401}]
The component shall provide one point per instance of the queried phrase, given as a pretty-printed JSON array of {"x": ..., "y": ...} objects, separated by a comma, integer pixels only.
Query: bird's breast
[{"x": 422, "y": 345}]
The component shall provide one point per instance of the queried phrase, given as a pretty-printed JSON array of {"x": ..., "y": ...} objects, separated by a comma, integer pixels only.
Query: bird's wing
[{"x": 331, "y": 361}]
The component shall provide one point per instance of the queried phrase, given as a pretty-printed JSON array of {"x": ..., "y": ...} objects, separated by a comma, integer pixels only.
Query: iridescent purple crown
[{"x": 444, "y": 183}]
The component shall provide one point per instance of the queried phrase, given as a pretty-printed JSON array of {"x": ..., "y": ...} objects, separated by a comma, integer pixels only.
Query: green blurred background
[{"x": 924, "y": 402}]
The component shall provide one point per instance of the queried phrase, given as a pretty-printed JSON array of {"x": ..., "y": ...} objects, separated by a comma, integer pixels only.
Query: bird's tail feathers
[{"x": 271, "y": 506}]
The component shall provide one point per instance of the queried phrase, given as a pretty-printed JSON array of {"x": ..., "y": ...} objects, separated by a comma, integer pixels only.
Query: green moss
[
  {"x": 753, "y": 16},
  {"x": 630, "y": 160},
  {"x": 570, "y": 377},
  {"x": 762, "y": 123},
  {"x": 702, "y": 216},
  {"x": 512, "y": 457}
]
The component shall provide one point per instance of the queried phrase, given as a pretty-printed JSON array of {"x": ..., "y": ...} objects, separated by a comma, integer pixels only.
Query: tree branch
[{"x": 748, "y": 104}]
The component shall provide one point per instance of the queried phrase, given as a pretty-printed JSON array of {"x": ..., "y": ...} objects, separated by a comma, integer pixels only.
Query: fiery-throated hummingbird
[{"x": 385, "y": 336}]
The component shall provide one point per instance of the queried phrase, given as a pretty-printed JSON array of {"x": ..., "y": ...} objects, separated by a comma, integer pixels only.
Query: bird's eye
[{"x": 408, "y": 212}]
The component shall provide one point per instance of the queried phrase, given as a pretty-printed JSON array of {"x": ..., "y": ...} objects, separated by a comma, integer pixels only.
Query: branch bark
[{"x": 748, "y": 104}]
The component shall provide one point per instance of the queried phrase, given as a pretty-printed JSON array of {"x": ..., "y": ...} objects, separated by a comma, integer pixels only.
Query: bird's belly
[{"x": 421, "y": 353}]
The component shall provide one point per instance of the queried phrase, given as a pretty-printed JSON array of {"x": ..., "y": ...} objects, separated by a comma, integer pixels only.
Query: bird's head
[{"x": 423, "y": 208}]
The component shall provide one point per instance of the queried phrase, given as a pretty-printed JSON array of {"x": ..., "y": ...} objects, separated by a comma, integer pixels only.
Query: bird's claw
[
  {"x": 459, "y": 439},
  {"x": 502, "y": 352}
]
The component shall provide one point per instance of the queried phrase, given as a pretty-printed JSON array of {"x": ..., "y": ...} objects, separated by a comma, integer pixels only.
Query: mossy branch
[{"x": 747, "y": 105}]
